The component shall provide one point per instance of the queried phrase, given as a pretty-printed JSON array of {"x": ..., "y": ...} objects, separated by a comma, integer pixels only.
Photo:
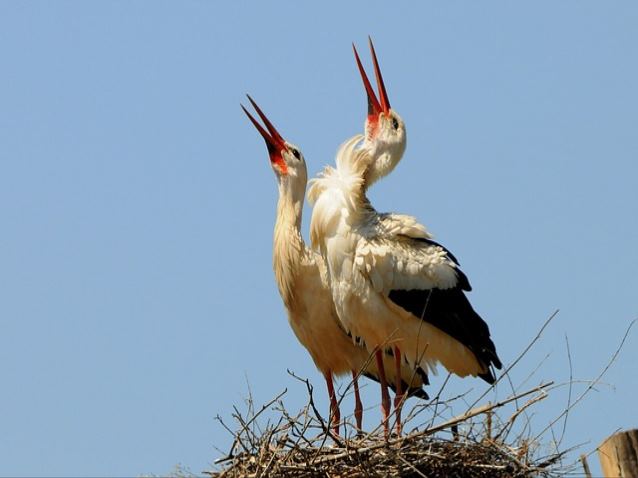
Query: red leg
[
  {"x": 385, "y": 396},
  {"x": 398, "y": 397},
  {"x": 358, "y": 406},
  {"x": 334, "y": 406}
]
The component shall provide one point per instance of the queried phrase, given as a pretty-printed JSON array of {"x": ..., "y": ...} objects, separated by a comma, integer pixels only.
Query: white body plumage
[
  {"x": 302, "y": 280},
  {"x": 301, "y": 277},
  {"x": 368, "y": 255}
]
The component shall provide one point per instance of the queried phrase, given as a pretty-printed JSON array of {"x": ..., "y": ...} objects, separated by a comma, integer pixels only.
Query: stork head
[
  {"x": 285, "y": 158},
  {"x": 385, "y": 135}
]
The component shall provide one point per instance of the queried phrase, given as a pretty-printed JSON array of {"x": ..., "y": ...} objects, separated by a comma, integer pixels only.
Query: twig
[
  {"x": 266, "y": 406},
  {"x": 536, "y": 369},
  {"x": 480, "y": 410},
  {"x": 411, "y": 466},
  {"x": 237, "y": 440},
  {"x": 515, "y": 415},
  {"x": 520, "y": 356},
  {"x": 326, "y": 429},
  {"x": 588, "y": 389},
  {"x": 265, "y": 471},
  {"x": 438, "y": 397},
  {"x": 569, "y": 392}
]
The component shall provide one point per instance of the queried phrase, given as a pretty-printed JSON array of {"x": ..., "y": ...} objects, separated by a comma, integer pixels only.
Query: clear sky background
[{"x": 137, "y": 203}]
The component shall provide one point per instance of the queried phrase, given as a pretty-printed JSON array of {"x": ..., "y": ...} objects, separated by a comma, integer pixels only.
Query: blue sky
[{"x": 137, "y": 298}]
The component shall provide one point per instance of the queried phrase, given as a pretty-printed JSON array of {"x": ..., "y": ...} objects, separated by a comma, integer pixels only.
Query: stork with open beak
[
  {"x": 393, "y": 287},
  {"x": 301, "y": 277},
  {"x": 384, "y": 132}
]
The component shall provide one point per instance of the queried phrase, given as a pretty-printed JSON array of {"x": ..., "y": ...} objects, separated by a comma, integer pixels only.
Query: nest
[
  {"x": 304, "y": 446},
  {"x": 413, "y": 457},
  {"x": 485, "y": 441}
]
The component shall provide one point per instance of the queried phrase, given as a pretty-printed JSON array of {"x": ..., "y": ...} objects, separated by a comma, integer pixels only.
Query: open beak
[
  {"x": 274, "y": 142},
  {"x": 375, "y": 107},
  {"x": 383, "y": 95}
]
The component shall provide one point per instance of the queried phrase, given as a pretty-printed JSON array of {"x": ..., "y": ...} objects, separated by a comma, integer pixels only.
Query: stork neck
[
  {"x": 289, "y": 247},
  {"x": 289, "y": 207},
  {"x": 386, "y": 154}
]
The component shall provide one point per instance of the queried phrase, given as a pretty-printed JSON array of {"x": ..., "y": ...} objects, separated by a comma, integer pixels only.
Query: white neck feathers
[{"x": 289, "y": 248}]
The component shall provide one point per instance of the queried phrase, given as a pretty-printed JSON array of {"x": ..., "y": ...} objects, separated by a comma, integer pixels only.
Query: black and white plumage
[
  {"x": 301, "y": 277},
  {"x": 391, "y": 283}
]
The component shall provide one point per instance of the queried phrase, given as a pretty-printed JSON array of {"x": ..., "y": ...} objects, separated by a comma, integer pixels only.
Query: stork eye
[
  {"x": 395, "y": 123},
  {"x": 295, "y": 153}
]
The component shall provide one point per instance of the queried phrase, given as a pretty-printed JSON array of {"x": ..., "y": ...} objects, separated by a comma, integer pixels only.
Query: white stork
[
  {"x": 301, "y": 277},
  {"x": 392, "y": 286}
]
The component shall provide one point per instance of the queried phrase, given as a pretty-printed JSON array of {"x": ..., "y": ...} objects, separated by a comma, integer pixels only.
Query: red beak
[
  {"x": 385, "y": 102},
  {"x": 375, "y": 107},
  {"x": 274, "y": 142}
]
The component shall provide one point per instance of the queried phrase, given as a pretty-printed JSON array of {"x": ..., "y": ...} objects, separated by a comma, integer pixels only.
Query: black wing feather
[{"x": 450, "y": 311}]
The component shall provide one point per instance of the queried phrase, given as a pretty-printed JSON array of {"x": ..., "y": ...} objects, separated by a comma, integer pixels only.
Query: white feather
[
  {"x": 369, "y": 254},
  {"x": 302, "y": 279}
]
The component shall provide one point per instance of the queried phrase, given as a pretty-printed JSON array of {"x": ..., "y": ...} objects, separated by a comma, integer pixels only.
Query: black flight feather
[{"x": 450, "y": 311}]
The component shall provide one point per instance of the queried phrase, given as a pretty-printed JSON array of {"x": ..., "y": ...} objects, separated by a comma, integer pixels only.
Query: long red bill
[
  {"x": 274, "y": 142},
  {"x": 383, "y": 95},
  {"x": 374, "y": 107}
]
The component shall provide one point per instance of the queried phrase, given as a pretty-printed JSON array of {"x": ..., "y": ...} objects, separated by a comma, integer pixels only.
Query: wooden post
[
  {"x": 583, "y": 460},
  {"x": 618, "y": 455}
]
